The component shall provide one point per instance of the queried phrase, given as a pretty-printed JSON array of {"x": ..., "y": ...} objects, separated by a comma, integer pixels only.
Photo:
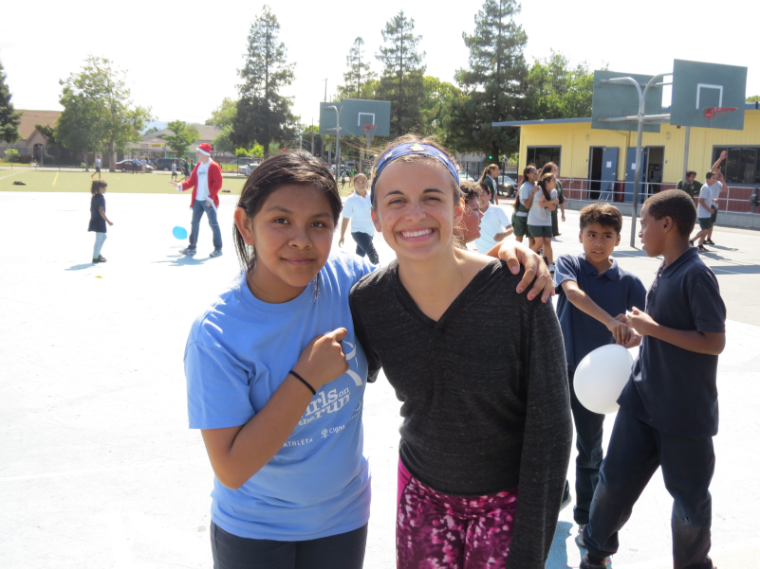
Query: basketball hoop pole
[
  {"x": 641, "y": 118},
  {"x": 337, "y": 139},
  {"x": 687, "y": 138}
]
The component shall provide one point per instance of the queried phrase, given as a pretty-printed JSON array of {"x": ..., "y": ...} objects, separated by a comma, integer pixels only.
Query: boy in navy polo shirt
[
  {"x": 669, "y": 408},
  {"x": 593, "y": 290}
]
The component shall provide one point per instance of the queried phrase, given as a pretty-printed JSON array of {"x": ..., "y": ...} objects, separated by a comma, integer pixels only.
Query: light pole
[{"x": 337, "y": 139}]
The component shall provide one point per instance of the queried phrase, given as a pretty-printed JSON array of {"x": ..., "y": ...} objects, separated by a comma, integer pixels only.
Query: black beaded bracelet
[{"x": 302, "y": 380}]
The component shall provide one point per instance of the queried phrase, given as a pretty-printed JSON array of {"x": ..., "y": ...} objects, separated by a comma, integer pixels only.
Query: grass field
[{"x": 42, "y": 181}]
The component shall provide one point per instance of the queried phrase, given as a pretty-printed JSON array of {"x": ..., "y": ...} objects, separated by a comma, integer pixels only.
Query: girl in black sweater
[{"x": 480, "y": 370}]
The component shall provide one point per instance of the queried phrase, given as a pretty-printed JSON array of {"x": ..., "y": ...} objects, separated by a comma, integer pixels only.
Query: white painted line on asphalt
[
  {"x": 122, "y": 554},
  {"x": 9, "y": 175}
]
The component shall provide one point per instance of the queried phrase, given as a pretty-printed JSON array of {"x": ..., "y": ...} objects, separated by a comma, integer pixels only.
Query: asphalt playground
[{"x": 98, "y": 469}]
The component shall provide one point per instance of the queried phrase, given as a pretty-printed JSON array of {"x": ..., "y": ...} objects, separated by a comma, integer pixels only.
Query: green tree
[
  {"x": 439, "y": 97},
  {"x": 753, "y": 99},
  {"x": 223, "y": 141},
  {"x": 494, "y": 83},
  {"x": 556, "y": 90},
  {"x": 263, "y": 114},
  {"x": 358, "y": 74},
  {"x": 98, "y": 112},
  {"x": 402, "y": 80},
  {"x": 184, "y": 135},
  {"x": 224, "y": 114},
  {"x": 9, "y": 118},
  {"x": 12, "y": 155}
]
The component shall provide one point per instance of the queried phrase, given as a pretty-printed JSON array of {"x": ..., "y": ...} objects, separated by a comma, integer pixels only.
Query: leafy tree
[
  {"x": 494, "y": 82},
  {"x": 224, "y": 114},
  {"x": 242, "y": 152},
  {"x": 555, "y": 90},
  {"x": 402, "y": 80},
  {"x": 753, "y": 99},
  {"x": 152, "y": 129},
  {"x": 223, "y": 141},
  {"x": 184, "y": 135},
  {"x": 358, "y": 74},
  {"x": 9, "y": 118},
  {"x": 98, "y": 112},
  {"x": 12, "y": 155},
  {"x": 439, "y": 97},
  {"x": 319, "y": 142},
  {"x": 257, "y": 151},
  {"x": 263, "y": 114}
]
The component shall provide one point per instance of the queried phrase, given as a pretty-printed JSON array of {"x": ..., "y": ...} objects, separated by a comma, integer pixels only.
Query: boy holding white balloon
[
  {"x": 592, "y": 291},
  {"x": 669, "y": 408}
]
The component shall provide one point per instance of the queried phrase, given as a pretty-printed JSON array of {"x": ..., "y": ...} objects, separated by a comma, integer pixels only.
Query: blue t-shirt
[
  {"x": 614, "y": 291},
  {"x": 238, "y": 353},
  {"x": 672, "y": 389}
]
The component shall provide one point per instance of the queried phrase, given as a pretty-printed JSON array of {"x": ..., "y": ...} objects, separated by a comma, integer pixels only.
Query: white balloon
[{"x": 600, "y": 377}]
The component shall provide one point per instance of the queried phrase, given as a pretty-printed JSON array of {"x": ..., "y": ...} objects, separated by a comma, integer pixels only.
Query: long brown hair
[
  {"x": 486, "y": 172},
  {"x": 275, "y": 172},
  {"x": 542, "y": 184}
]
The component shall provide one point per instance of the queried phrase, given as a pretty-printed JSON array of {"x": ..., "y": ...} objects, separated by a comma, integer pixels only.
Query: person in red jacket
[{"x": 206, "y": 181}]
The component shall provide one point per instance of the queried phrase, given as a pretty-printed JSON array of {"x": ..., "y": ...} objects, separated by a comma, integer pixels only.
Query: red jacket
[{"x": 214, "y": 182}]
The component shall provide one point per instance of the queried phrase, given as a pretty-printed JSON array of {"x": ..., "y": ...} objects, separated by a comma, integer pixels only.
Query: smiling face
[
  {"x": 292, "y": 235},
  {"x": 471, "y": 219},
  {"x": 415, "y": 209},
  {"x": 360, "y": 185},
  {"x": 599, "y": 241},
  {"x": 485, "y": 199}
]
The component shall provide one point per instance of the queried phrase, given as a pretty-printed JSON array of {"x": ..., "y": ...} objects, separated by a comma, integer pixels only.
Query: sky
[{"x": 182, "y": 59}]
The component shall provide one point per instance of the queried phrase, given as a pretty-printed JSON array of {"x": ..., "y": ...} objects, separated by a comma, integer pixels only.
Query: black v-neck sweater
[{"x": 485, "y": 394}]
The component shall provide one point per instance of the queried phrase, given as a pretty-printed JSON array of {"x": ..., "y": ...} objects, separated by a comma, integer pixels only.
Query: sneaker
[
  {"x": 709, "y": 241},
  {"x": 216, "y": 253},
  {"x": 101, "y": 259},
  {"x": 702, "y": 249},
  {"x": 591, "y": 562},
  {"x": 579, "y": 538},
  {"x": 94, "y": 260},
  {"x": 188, "y": 251},
  {"x": 691, "y": 242}
]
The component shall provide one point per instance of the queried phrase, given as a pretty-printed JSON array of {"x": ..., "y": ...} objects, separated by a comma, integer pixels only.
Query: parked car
[
  {"x": 465, "y": 176},
  {"x": 166, "y": 164},
  {"x": 246, "y": 168},
  {"x": 126, "y": 166},
  {"x": 506, "y": 185}
]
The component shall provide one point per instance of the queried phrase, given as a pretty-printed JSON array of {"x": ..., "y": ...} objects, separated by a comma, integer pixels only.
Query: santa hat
[{"x": 205, "y": 148}]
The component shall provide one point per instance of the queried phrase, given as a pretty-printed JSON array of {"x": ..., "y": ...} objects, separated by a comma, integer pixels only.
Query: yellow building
[{"x": 600, "y": 164}]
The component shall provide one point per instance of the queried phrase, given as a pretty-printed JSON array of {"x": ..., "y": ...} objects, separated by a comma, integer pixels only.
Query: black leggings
[
  {"x": 342, "y": 551},
  {"x": 364, "y": 246}
]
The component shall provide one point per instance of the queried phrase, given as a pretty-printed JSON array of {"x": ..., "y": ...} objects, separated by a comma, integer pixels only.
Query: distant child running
[
  {"x": 485, "y": 441},
  {"x": 174, "y": 170},
  {"x": 594, "y": 293},
  {"x": 669, "y": 407},
  {"x": 97, "y": 169},
  {"x": 98, "y": 218},
  {"x": 358, "y": 210}
]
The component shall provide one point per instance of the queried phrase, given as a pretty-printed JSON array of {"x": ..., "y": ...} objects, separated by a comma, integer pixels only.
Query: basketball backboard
[
  {"x": 613, "y": 100},
  {"x": 699, "y": 86},
  {"x": 354, "y": 115}
]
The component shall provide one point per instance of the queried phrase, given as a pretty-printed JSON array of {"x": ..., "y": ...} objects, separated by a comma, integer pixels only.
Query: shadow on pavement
[
  {"x": 80, "y": 267},
  {"x": 184, "y": 260},
  {"x": 738, "y": 269}
]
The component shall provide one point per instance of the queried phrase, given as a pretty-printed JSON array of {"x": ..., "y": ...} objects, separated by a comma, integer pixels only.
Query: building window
[
  {"x": 742, "y": 166},
  {"x": 540, "y": 155}
]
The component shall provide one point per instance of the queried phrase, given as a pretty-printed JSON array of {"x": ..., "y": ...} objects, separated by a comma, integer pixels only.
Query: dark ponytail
[
  {"x": 96, "y": 185},
  {"x": 542, "y": 184}
]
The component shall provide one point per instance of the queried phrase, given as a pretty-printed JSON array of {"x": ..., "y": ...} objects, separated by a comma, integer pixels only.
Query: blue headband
[{"x": 412, "y": 148}]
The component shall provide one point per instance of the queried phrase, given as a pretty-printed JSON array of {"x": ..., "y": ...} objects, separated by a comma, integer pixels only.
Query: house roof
[
  {"x": 207, "y": 132},
  {"x": 747, "y": 107},
  {"x": 31, "y": 118}
]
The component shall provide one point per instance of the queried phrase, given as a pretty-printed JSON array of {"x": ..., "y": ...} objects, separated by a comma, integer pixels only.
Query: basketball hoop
[
  {"x": 369, "y": 134},
  {"x": 714, "y": 112}
]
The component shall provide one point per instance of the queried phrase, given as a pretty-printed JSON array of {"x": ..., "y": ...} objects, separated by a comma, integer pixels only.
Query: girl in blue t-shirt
[{"x": 276, "y": 380}]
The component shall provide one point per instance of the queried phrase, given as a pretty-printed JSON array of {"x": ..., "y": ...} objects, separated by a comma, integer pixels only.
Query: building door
[
  {"x": 595, "y": 163},
  {"x": 609, "y": 174},
  {"x": 630, "y": 174},
  {"x": 655, "y": 165}
]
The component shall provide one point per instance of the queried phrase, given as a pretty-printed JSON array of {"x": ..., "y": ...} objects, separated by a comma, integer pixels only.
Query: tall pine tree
[
  {"x": 402, "y": 80},
  {"x": 263, "y": 114},
  {"x": 494, "y": 82},
  {"x": 9, "y": 118},
  {"x": 358, "y": 75}
]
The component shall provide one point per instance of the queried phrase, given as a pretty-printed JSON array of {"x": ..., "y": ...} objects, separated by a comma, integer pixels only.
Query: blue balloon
[{"x": 179, "y": 232}]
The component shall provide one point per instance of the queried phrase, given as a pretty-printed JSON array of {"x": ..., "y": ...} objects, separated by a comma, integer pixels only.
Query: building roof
[
  {"x": 31, "y": 118},
  {"x": 747, "y": 107},
  {"x": 207, "y": 132}
]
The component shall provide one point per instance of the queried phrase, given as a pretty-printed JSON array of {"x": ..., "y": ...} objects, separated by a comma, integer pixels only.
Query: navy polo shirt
[
  {"x": 672, "y": 389},
  {"x": 614, "y": 291}
]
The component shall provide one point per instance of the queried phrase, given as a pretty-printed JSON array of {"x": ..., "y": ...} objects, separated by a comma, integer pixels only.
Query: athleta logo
[{"x": 324, "y": 404}]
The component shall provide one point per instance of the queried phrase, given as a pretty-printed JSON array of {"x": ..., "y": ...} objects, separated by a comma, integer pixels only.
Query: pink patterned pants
[{"x": 438, "y": 531}]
